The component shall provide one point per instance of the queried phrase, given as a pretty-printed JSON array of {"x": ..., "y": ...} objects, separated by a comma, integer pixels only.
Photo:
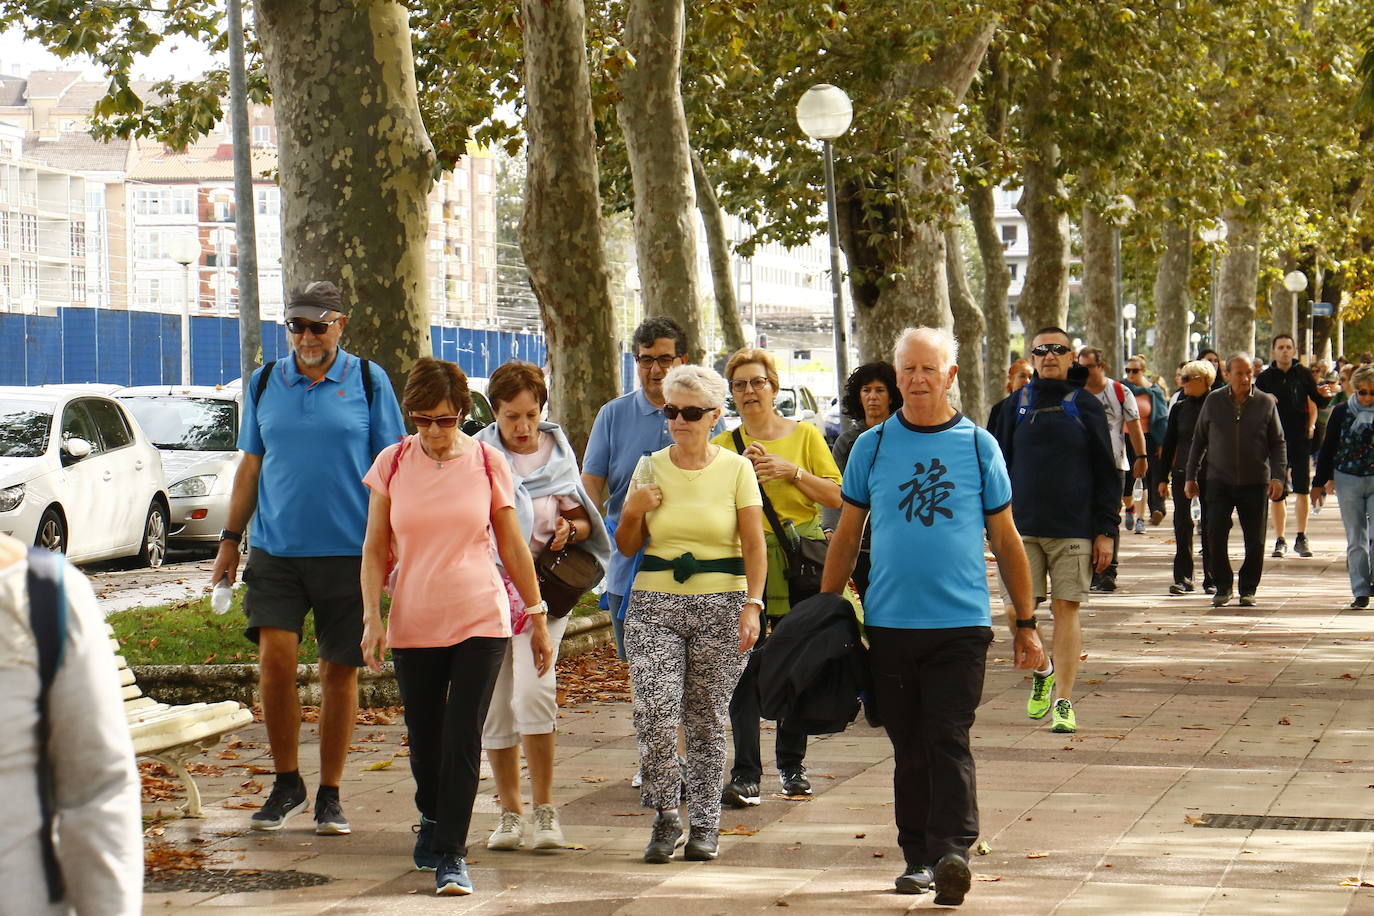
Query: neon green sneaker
[
  {"x": 1039, "y": 702},
  {"x": 1064, "y": 720}
]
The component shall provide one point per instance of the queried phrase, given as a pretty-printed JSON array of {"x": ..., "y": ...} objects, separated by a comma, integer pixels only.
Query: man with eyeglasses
[
  {"x": 1292, "y": 385},
  {"x": 311, "y": 428},
  {"x": 1123, "y": 420},
  {"x": 1066, "y": 491}
]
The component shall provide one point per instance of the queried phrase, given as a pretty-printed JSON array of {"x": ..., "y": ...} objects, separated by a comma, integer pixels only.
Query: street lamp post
[
  {"x": 1211, "y": 236},
  {"x": 185, "y": 250},
  {"x": 824, "y": 113},
  {"x": 1118, "y": 213},
  {"x": 1295, "y": 281},
  {"x": 1128, "y": 313}
]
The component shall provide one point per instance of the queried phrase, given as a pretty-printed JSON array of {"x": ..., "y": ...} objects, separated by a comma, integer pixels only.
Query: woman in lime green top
[
  {"x": 798, "y": 475},
  {"x": 694, "y": 608}
]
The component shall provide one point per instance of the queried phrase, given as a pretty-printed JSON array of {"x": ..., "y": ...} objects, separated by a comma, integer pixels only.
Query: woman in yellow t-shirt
[
  {"x": 798, "y": 476},
  {"x": 694, "y": 608}
]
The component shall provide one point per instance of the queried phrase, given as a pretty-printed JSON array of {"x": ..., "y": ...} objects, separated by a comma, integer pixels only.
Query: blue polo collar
[
  {"x": 338, "y": 370},
  {"x": 646, "y": 407}
]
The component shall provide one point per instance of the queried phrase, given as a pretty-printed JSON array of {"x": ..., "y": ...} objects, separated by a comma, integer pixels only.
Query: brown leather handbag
[{"x": 565, "y": 576}]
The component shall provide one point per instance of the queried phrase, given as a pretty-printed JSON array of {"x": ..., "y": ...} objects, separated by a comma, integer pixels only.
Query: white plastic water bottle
[
  {"x": 1196, "y": 509},
  {"x": 644, "y": 472},
  {"x": 1316, "y": 506},
  {"x": 1138, "y": 493},
  {"x": 222, "y": 598}
]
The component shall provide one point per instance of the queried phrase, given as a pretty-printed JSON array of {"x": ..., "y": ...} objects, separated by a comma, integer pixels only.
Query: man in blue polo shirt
[
  {"x": 312, "y": 426},
  {"x": 930, "y": 482}
]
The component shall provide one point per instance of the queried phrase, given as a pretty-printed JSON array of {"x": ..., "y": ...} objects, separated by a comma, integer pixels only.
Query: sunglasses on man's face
[
  {"x": 423, "y": 422},
  {"x": 300, "y": 326},
  {"x": 1046, "y": 349},
  {"x": 690, "y": 414}
]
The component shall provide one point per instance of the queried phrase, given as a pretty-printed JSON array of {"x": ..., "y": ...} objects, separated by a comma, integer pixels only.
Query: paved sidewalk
[{"x": 1184, "y": 711}]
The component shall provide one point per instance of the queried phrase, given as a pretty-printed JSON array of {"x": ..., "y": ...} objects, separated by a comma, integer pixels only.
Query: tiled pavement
[{"x": 1183, "y": 711}]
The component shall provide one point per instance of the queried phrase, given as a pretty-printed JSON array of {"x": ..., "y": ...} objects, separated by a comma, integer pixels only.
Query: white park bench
[{"x": 172, "y": 735}]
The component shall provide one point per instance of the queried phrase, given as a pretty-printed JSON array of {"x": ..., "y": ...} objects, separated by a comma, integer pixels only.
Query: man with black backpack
[
  {"x": 72, "y": 835},
  {"x": 312, "y": 425},
  {"x": 1065, "y": 496}
]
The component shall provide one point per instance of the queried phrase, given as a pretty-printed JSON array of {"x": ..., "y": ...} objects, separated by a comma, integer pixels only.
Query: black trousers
[
  {"x": 446, "y": 692},
  {"x": 1183, "y": 532},
  {"x": 927, "y": 684},
  {"x": 789, "y": 745},
  {"x": 1110, "y": 571},
  {"x": 1250, "y": 503}
]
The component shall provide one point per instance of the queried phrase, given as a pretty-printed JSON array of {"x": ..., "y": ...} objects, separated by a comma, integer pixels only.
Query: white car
[
  {"x": 78, "y": 476},
  {"x": 196, "y": 430}
]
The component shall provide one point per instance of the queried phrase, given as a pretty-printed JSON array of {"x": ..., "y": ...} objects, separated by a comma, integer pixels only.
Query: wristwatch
[
  {"x": 235, "y": 536},
  {"x": 796, "y": 475},
  {"x": 1027, "y": 623}
]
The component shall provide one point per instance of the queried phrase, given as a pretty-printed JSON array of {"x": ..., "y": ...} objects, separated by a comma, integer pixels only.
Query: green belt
[{"x": 687, "y": 566}]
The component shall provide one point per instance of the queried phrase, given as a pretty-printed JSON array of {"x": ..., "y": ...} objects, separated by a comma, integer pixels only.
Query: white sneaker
[
  {"x": 548, "y": 833},
  {"x": 508, "y": 833},
  {"x": 638, "y": 779}
]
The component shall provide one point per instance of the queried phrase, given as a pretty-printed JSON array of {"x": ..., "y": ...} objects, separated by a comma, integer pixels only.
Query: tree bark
[
  {"x": 1281, "y": 300},
  {"x": 1045, "y": 294},
  {"x": 561, "y": 233},
  {"x": 656, "y": 144},
  {"x": 996, "y": 281},
  {"x": 911, "y": 242},
  {"x": 1237, "y": 284},
  {"x": 1099, "y": 286},
  {"x": 968, "y": 330},
  {"x": 718, "y": 253},
  {"x": 1171, "y": 299},
  {"x": 355, "y": 166}
]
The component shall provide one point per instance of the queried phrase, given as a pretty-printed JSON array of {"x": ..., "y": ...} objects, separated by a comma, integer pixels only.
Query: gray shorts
[{"x": 282, "y": 590}]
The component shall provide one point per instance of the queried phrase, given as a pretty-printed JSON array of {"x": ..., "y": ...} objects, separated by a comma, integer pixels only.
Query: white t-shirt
[{"x": 1121, "y": 408}]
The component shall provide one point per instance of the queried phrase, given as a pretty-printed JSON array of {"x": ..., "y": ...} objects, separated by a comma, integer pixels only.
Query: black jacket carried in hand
[{"x": 813, "y": 667}]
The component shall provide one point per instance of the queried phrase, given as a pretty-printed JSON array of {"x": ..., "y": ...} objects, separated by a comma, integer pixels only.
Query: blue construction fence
[{"x": 144, "y": 348}]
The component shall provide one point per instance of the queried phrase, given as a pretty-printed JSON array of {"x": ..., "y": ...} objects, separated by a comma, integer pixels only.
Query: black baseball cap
[{"x": 314, "y": 301}]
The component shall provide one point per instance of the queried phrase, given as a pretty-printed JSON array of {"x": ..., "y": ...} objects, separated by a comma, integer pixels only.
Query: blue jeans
[
  {"x": 1356, "y": 495},
  {"x": 617, "y": 624}
]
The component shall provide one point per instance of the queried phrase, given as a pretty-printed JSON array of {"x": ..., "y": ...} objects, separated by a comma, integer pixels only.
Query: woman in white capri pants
[{"x": 552, "y": 508}]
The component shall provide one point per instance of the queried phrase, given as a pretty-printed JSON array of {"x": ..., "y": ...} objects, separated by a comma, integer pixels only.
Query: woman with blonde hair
[
  {"x": 1345, "y": 467},
  {"x": 797, "y": 475},
  {"x": 1195, "y": 379},
  {"x": 694, "y": 608}
]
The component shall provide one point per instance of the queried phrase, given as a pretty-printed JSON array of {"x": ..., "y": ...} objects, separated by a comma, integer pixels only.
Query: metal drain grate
[
  {"x": 1270, "y": 822},
  {"x": 232, "y": 881}
]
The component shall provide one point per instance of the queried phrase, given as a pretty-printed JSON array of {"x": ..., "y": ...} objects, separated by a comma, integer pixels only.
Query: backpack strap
[
  {"x": 367, "y": 382},
  {"x": 48, "y": 620},
  {"x": 1070, "y": 405},
  {"x": 768, "y": 510},
  {"x": 263, "y": 378},
  {"x": 1023, "y": 402},
  {"x": 1120, "y": 393}
]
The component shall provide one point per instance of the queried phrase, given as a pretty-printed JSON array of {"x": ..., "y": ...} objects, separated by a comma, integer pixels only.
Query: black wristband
[
  {"x": 1026, "y": 624},
  {"x": 235, "y": 536}
]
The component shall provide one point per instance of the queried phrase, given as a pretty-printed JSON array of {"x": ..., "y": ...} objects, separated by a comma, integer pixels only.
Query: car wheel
[
  {"x": 52, "y": 533},
  {"x": 154, "y": 549}
]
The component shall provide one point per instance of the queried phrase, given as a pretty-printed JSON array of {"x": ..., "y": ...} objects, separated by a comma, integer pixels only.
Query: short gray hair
[
  {"x": 1362, "y": 376},
  {"x": 1249, "y": 360},
  {"x": 944, "y": 340},
  {"x": 697, "y": 381}
]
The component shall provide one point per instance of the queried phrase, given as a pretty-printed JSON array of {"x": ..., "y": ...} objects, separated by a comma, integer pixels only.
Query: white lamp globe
[
  {"x": 184, "y": 249},
  {"x": 824, "y": 112},
  {"x": 1295, "y": 281}
]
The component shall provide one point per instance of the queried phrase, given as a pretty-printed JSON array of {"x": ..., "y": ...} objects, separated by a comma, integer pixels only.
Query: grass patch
[{"x": 189, "y": 633}]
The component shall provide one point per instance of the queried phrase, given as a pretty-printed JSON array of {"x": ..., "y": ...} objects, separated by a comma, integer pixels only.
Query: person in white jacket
[{"x": 98, "y": 838}]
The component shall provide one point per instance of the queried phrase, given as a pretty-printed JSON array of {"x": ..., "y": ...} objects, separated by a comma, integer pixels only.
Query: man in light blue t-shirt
[{"x": 930, "y": 482}]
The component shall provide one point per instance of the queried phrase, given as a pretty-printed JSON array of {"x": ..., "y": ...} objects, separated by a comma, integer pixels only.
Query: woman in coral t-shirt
[{"x": 439, "y": 499}]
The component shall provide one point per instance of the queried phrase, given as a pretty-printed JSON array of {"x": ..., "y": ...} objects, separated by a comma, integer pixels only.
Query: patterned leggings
[{"x": 684, "y": 663}]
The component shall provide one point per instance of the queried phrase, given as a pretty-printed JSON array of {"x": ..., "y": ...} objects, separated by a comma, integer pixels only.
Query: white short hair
[
  {"x": 943, "y": 340},
  {"x": 697, "y": 381}
]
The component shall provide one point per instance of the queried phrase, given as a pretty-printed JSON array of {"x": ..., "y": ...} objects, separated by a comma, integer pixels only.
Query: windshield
[
  {"x": 186, "y": 424},
  {"x": 24, "y": 428}
]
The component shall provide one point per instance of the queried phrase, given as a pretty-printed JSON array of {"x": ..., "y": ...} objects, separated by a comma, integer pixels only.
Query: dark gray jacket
[{"x": 1242, "y": 446}]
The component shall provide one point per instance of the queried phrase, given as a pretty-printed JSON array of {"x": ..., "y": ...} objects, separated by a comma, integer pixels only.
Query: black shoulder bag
[{"x": 805, "y": 559}]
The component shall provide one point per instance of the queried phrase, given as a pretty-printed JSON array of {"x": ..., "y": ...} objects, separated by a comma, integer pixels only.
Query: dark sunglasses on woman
[
  {"x": 1056, "y": 349},
  {"x": 444, "y": 422},
  {"x": 690, "y": 414}
]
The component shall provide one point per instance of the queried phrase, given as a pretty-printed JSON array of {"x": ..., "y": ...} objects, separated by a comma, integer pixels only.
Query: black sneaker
[
  {"x": 284, "y": 803},
  {"x": 1104, "y": 584},
  {"x": 1300, "y": 546},
  {"x": 451, "y": 876},
  {"x": 740, "y": 793},
  {"x": 917, "y": 879},
  {"x": 702, "y": 845},
  {"x": 425, "y": 858},
  {"x": 794, "y": 782},
  {"x": 1360, "y": 602},
  {"x": 952, "y": 880},
  {"x": 1280, "y": 548},
  {"x": 1179, "y": 588},
  {"x": 329, "y": 817},
  {"x": 665, "y": 837}
]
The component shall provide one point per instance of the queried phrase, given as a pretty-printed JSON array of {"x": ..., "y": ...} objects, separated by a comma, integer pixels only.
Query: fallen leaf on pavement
[
  {"x": 573, "y": 846},
  {"x": 739, "y": 830},
  {"x": 1355, "y": 882},
  {"x": 791, "y": 797},
  {"x": 379, "y": 765},
  {"x": 982, "y": 848},
  {"x": 987, "y": 877},
  {"x": 1191, "y": 819},
  {"x": 1285, "y": 721},
  {"x": 1036, "y": 855}
]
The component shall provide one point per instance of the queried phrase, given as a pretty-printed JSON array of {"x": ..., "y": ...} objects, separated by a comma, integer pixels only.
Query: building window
[
  {"x": 1009, "y": 235},
  {"x": 263, "y": 135},
  {"x": 28, "y": 233},
  {"x": 78, "y": 239},
  {"x": 4, "y": 283},
  {"x": 268, "y": 201},
  {"x": 1013, "y": 269},
  {"x": 78, "y": 284},
  {"x": 28, "y": 278},
  {"x": 484, "y": 182},
  {"x": 164, "y": 201},
  {"x": 4, "y": 230}
]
